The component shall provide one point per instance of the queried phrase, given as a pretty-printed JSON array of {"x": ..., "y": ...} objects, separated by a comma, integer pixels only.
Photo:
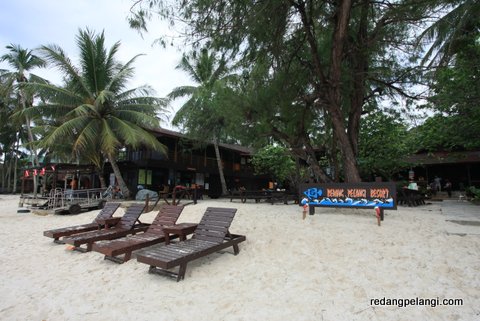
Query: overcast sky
[{"x": 31, "y": 23}]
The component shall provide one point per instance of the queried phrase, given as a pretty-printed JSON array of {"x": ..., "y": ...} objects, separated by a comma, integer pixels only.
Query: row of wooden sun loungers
[
  {"x": 211, "y": 235},
  {"x": 128, "y": 235},
  {"x": 128, "y": 224},
  {"x": 106, "y": 213},
  {"x": 112, "y": 249}
]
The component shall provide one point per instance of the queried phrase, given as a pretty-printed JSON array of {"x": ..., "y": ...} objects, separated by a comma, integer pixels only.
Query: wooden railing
[{"x": 185, "y": 160}]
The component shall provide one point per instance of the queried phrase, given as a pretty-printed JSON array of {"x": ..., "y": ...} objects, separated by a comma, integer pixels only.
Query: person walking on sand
[
  {"x": 74, "y": 183},
  {"x": 448, "y": 187},
  {"x": 438, "y": 184}
]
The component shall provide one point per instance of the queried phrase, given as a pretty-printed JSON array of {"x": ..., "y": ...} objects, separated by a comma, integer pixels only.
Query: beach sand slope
[{"x": 331, "y": 266}]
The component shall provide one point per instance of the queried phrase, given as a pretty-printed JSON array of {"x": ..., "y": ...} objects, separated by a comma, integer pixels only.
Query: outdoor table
[
  {"x": 107, "y": 222},
  {"x": 182, "y": 230}
]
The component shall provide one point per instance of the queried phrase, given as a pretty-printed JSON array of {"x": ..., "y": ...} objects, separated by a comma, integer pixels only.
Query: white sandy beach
[{"x": 329, "y": 266}]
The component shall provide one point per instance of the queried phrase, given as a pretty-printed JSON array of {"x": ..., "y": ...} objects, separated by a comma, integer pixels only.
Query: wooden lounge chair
[
  {"x": 107, "y": 212},
  {"x": 167, "y": 216},
  {"x": 126, "y": 225},
  {"x": 211, "y": 235}
]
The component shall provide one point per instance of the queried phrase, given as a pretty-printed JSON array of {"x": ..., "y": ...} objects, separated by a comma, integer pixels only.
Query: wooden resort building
[
  {"x": 461, "y": 168},
  {"x": 188, "y": 162}
]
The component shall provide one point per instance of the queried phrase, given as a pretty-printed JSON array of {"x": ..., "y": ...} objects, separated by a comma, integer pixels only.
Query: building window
[{"x": 144, "y": 177}]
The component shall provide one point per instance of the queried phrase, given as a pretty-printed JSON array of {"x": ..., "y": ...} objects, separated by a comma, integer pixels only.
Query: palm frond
[
  {"x": 181, "y": 91},
  {"x": 123, "y": 74},
  {"x": 67, "y": 129},
  {"x": 58, "y": 102},
  {"x": 21, "y": 59},
  {"x": 149, "y": 106},
  {"x": 135, "y": 92},
  {"x": 185, "y": 65},
  {"x": 446, "y": 31},
  {"x": 184, "y": 111},
  {"x": 135, "y": 136},
  {"x": 88, "y": 136},
  {"x": 57, "y": 57},
  {"x": 138, "y": 118}
]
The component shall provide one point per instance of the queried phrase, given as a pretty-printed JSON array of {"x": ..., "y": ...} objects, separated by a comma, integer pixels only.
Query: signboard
[{"x": 354, "y": 195}]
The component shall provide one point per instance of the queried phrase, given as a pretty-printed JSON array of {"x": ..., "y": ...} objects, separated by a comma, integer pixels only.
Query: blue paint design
[
  {"x": 313, "y": 193},
  {"x": 348, "y": 202}
]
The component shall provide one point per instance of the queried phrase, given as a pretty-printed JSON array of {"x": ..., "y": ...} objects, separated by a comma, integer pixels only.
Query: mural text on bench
[{"x": 367, "y": 195}]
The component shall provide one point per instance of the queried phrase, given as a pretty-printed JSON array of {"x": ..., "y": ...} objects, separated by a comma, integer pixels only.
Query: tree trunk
[
  {"x": 334, "y": 158},
  {"x": 298, "y": 179},
  {"x": 334, "y": 102},
  {"x": 220, "y": 166},
  {"x": 121, "y": 182},
  {"x": 359, "y": 58},
  {"x": 301, "y": 147},
  {"x": 13, "y": 159},
  {"x": 31, "y": 140},
  {"x": 15, "y": 166},
  {"x": 3, "y": 178},
  {"x": 328, "y": 89},
  {"x": 349, "y": 161},
  {"x": 9, "y": 174},
  {"x": 36, "y": 163},
  {"x": 101, "y": 175},
  {"x": 313, "y": 163},
  {"x": 101, "y": 178}
]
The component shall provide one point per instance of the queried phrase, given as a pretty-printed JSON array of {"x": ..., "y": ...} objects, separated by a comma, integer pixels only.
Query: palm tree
[
  {"x": 9, "y": 141},
  {"x": 94, "y": 110},
  {"x": 447, "y": 33},
  {"x": 22, "y": 61},
  {"x": 10, "y": 151},
  {"x": 198, "y": 114}
]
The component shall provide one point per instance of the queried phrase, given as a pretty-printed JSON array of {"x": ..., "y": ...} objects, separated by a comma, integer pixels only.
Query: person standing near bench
[{"x": 438, "y": 184}]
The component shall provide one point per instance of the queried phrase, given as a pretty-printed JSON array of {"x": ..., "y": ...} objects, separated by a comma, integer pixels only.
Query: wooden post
[
  {"x": 23, "y": 186},
  {"x": 175, "y": 151},
  {"x": 379, "y": 214},
  {"x": 147, "y": 200},
  {"x": 174, "y": 195}
]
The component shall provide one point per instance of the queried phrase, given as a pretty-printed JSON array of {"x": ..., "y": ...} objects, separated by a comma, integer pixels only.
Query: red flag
[
  {"x": 26, "y": 174},
  {"x": 42, "y": 172},
  {"x": 35, "y": 172}
]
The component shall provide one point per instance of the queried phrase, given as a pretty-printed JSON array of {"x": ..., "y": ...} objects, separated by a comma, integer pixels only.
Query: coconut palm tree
[
  {"x": 94, "y": 110},
  {"x": 22, "y": 62},
  {"x": 9, "y": 142},
  {"x": 198, "y": 114},
  {"x": 446, "y": 34},
  {"x": 11, "y": 134}
]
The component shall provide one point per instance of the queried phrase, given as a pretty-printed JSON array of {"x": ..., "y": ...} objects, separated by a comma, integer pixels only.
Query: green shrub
[{"x": 474, "y": 193}]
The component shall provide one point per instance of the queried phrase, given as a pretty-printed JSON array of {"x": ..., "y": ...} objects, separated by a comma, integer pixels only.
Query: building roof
[
  {"x": 445, "y": 157},
  {"x": 168, "y": 132},
  {"x": 238, "y": 148}
]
